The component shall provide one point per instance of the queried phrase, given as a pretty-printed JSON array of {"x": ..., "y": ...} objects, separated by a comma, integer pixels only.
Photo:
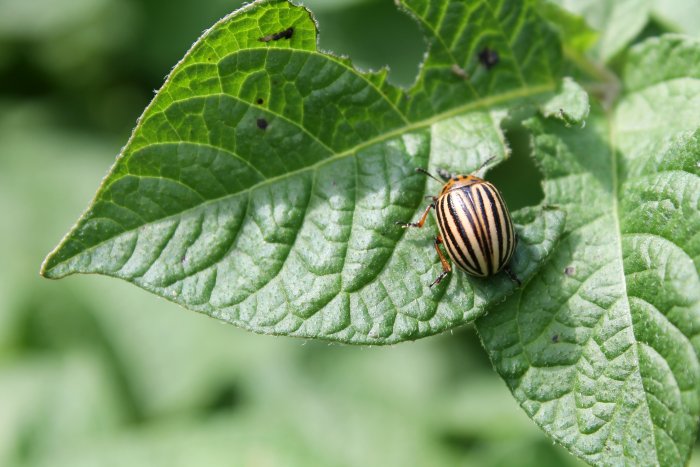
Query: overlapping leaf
[
  {"x": 601, "y": 348},
  {"x": 262, "y": 184},
  {"x": 617, "y": 21}
]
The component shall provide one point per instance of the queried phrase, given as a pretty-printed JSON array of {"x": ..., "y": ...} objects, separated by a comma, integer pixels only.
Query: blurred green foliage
[{"x": 94, "y": 372}]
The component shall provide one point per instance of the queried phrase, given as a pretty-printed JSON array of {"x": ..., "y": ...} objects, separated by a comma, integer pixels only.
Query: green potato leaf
[
  {"x": 576, "y": 35},
  {"x": 678, "y": 15},
  {"x": 263, "y": 183},
  {"x": 617, "y": 22},
  {"x": 601, "y": 347}
]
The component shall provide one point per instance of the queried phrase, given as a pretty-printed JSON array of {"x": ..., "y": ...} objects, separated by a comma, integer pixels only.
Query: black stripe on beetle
[
  {"x": 455, "y": 233},
  {"x": 497, "y": 225},
  {"x": 470, "y": 232},
  {"x": 474, "y": 224},
  {"x": 484, "y": 231}
]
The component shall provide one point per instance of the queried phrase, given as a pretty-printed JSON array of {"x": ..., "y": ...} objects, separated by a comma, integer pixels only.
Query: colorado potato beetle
[{"x": 474, "y": 225}]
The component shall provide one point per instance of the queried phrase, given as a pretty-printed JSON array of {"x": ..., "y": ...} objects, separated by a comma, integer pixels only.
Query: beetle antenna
[
  {"x": 425, "y": 172},
  {"x": 485, "y": 163}
]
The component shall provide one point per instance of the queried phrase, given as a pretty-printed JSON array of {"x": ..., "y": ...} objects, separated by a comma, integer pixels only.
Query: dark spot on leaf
[
  {"x": 639, "y": 440},
  {"x": 262, "y": 123},
  {"x": 555, "y": 338},
  {"x": 259, "y": 100},
  {"x": 286, "y": 34},
  {"x": 570, "y": 270},
  {"x": 489, "y": 58}
]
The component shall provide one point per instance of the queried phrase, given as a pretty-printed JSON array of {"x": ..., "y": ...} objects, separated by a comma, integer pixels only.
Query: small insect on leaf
[
  {"x": 286, "y": 34},
  {"x": 262, "y": 123},
  {"x": 474, "y": 226}
]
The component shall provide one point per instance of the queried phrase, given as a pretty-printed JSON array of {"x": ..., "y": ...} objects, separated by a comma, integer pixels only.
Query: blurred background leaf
[
  {"x": 677, "y": 15},
  {"x": 617, "y": 21}
]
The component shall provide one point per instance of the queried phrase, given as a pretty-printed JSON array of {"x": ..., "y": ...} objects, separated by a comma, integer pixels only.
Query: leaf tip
[
  {"x": 51, "y": 266},
  {"x": 46, "y": 268}
]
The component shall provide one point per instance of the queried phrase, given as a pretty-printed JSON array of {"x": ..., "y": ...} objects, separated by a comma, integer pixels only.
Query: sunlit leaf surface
[{"x": 263, "y": 183}]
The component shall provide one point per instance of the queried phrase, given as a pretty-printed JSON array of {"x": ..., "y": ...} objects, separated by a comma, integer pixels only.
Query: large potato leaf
[
  {"x": 262, "y": 184},
  {"x": 601, "y": 348}
]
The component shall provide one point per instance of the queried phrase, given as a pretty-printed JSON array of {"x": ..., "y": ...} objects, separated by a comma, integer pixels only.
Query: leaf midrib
[
  {"x": 612, "y": 132},
  {"x": 615, "y": 186}
]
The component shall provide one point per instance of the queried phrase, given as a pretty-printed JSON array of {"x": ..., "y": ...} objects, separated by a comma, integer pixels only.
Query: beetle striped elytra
[{"x": 474, "y": 224}]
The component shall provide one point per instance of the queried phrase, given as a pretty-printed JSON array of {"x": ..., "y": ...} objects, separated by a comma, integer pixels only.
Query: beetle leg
[
  {"x": 421, "y": 221},
  {"x": 509, "y": 272},
  {"x": 445, "y": 265}
]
